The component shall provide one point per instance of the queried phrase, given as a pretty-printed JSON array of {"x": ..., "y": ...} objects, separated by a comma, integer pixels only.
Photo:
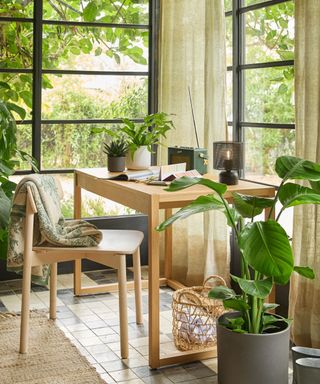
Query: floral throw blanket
[{"x": 50, "y": 228}]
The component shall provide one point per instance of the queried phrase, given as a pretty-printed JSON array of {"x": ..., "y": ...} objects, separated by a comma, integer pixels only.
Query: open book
[{"x": 143, "y": 174}]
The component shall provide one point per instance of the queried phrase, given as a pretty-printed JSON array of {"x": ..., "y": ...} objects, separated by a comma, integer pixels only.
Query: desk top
[{"x": 87, "y": 178}]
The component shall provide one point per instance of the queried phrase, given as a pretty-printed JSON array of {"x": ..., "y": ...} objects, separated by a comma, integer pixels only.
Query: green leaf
[
  {"x": 90, "y": 12},
  {"x": 4, "y": 85},
  {"x": 269, "y": 306},
  {"x": 266, "y": 248},
  {"x": 27, "y": 97},
  {"x": 257, "y": 288},
  {"x": 186, "y": 182},
  {"x": 250, "y": 206},
  {"x": 201, "y": 204},
  {"x": 236, "y": 304},
  {"x": 305, "y": 272},
  {"x": 315, "y": 185},
  {"x": 221, "y": 293},
  {"x": 289, "y": 167},
  {"x": 293, "y": 194},
  {"x": 20, "y": 111},
  {"x": 5, "y": 206}
]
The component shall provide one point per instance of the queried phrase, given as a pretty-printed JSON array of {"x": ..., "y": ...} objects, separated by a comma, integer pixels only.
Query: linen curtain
[
  {"x": 192, "y": 54},
  {"x": 305, "y": 294}
]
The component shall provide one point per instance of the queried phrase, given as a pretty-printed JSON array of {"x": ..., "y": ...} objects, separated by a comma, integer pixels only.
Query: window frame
[
  {"x": 37, "y": 71},
  {"x": 238, "y": 69}
]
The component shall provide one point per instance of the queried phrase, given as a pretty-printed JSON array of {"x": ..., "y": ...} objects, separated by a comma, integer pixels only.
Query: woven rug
[{"x": 51, "y": 358}]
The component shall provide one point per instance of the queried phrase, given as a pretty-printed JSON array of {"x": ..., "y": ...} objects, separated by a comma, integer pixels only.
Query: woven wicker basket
[{"x": 195, "y": 315}]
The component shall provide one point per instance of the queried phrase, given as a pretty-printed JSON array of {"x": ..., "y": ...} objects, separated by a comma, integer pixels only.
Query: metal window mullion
[
  {"x": 37, "y": 81},
  {"x": 94, "y": 24},
  {"x": 96, "y": 73},
  {"x": 264, "y": 4},
  {"x": 87, "y": 121}
]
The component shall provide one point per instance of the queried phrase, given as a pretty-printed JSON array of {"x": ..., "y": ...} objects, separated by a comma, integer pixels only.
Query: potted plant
[
  {"x": 116, "y": 150},
  {"x": 253, "y": 344},
  {"x": 140, "y": 137},
  {"x": 9, "y": 159}
]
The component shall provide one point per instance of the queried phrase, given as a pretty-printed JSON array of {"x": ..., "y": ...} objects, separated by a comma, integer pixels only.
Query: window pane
[
  {"x": 227, "y": 5},
  {"x": 229, "y": 40},
  {"x": 16, "y": 8},
  {"x": 94, "y": 97},
  {"x": 100, "y": 49},
  {"x": 229, "y": 96},
  {"x": 269, "y": 33},
  {"x": 72, "y": 146},
  {"x": 16, "y": 45},
  {"x": 262, "y": 148},
  {"x": 269, "y": 95},
  {"x": 103, "y": 11},
  {"x": 17, "y": 88},
  {"x": 24, "y": 143}
]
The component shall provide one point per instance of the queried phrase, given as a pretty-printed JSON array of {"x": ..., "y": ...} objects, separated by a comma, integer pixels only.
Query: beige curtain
[
  {"x": 305, "y": 294},
  {"x": 192, "y": 47}
]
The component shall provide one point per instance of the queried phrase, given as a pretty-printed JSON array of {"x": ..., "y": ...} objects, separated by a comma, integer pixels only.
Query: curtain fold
[
  {"x": 304, "y": 302},
  {"x": 192, "y": 55}
]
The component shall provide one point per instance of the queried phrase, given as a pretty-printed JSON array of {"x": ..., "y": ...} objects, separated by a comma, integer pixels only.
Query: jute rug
[{"x": 51, "y": 358}]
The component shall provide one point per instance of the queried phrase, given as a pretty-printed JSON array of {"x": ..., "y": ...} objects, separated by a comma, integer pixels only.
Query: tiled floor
[{"x": 92, "y": 324}]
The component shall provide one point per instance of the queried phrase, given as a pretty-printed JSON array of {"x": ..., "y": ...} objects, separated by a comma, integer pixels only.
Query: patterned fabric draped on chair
[{"x": 50, "y": 226}]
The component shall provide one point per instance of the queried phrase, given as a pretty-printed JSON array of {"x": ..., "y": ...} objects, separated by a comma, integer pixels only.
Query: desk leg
[
  {"x": 154, "y": 274},
  {"x": 77, "y": 215},
  {"x": 168, "y": 248}
]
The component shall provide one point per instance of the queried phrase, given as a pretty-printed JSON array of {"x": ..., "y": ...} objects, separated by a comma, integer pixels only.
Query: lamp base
[{"x": 228, "y": 177}]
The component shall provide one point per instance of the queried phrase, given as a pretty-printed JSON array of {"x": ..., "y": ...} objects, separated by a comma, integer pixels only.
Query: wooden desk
[{"x": 149, "y": 200}]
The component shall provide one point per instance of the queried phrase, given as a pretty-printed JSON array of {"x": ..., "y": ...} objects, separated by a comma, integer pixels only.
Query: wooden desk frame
[{"x": 149, "y": 200}]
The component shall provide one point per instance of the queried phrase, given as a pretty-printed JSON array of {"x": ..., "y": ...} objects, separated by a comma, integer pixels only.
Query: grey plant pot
[
  {"x": 252, "y": 358},
  {"x": 301, "y": 352},
  {"x": 308, "y": 371},
  {"x": 116, "y": 164}
]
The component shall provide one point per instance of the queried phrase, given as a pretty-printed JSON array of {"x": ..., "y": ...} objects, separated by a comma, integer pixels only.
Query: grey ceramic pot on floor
[
  {"x": 308, "y": 371},
  {"x": 252, "y": 358},
  {"x": 302, "y": 352}
]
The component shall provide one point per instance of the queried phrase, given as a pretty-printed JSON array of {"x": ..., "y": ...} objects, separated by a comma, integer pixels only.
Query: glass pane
[
  {"x": 94, "y": 97},
  {"x": 103, "y": 11},
  {"x": 100, "y": 49},
  {"x": 269, "y": 33},
  {"x": 227, "y": 5},
  {"x": 229, "y": 96},
  {"x": 24, "y": 143},
  {"x": 269, "y": 95},
  {"x": 251, "y": 2},
  {"x": 262, "y": 147},
  {"x": 17, "y": 88},
  {"x": 72, "y": 146},
  {"x": 229, "y": 40},
  {"x": 16, "y": 8},
  {"x": 16, "y": 45}
]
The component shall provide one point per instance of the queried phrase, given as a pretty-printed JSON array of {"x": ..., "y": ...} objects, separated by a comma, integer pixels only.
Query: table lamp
[{"x": 228, "y": 156}]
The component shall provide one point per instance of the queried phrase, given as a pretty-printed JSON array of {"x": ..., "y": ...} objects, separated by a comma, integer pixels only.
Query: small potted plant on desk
[
  {"x": 116, "y": 150},
  {"x": 253, "y": 344},
  {"x": 140, "y": 137}
]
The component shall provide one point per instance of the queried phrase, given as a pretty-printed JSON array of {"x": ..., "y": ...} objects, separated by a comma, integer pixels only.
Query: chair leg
[
  {"x": 25, "y": 304},
  {"x": 53, "y": 291},
  {"x": 137, "y": 286},
  {"x": 122, "y": 278}
]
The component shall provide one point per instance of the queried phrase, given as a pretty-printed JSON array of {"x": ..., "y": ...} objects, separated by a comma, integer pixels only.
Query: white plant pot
[{"x": 141, "y": 159}]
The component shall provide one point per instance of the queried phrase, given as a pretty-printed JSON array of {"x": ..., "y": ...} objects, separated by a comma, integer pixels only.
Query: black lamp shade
[{"x": 228, "y": 156}]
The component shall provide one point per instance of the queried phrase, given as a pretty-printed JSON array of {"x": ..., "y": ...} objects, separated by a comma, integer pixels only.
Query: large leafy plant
[
  {"x": 266, "y": 253},
  {"x": 10, "y": 156}
]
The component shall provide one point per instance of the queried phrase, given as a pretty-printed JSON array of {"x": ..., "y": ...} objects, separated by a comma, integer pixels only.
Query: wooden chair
[{"x": 112, "y": 251}]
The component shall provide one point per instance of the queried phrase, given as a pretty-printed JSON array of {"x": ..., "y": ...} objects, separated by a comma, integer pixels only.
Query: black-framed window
[
  {"x": 74, "y": 66},
  {"x": 260, "y": 82}
]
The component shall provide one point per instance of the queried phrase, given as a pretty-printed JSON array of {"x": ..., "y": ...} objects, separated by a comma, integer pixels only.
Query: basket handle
[
  {"x": 217, "y": 277},
  {"x": 190, "y": 295}
]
